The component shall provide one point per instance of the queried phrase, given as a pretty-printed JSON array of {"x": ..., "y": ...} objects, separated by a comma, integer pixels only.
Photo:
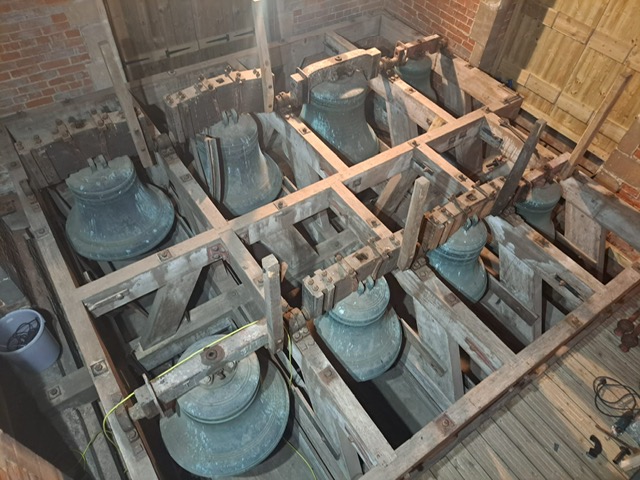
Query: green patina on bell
[
  {"x": 458, "y": 260},
  {"x": 337, "y": 114},
  {"x": 232, "y": 421},
  {"x": 417, "y": 73},
  {"x": 537, "y": 207},
  {"x": 362, "y": 332},
  {"x": 114, "y": 216},
  {"x": 249, "y": 179}
]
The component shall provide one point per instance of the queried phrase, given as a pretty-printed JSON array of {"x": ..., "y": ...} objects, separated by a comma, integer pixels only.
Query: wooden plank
[
  {"x": 605, "y": 207},
  {"x": 464, "y": 327},
  {"x": 436, "y": 339},
  {"x": 484, "y": 455},
  {"x": 259, "y": 24},
  {"x": 557, "y": 412},
  {"x": 168, "y": 309},
  {"x": 586, "y": 236},
  {"x": 413, "y": 223},
  {"x": 126, "y": 102},
  {"x": 523, "y": 282},
  {"x": 465, "y": 464},
  {"x": 338, "y": 409},
  {"x": 600, "y": 116}
]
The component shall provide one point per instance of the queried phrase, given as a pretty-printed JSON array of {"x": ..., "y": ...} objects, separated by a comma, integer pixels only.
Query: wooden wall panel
[{"x": 563, "y": 55}]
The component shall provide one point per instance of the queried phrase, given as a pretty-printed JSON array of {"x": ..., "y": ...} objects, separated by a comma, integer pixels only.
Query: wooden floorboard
[{"x": 544, "y": 431}]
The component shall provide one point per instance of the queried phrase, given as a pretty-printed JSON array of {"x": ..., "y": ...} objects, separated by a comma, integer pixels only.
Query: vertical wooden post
[
  {"x": 126, "y": 102},
  {"x": 272, "y": 298},
  {"x": 523, "y": 283},
  {"x": 413, "y": 223},
  {"x": 587, "y": 236},
  {"x": 447, "y": 351},
  {"x": 263, "y": 53}
]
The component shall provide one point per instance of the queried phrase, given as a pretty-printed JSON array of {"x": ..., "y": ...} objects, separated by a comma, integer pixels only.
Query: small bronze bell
[
  {"x": 249, "y": 178},
  {"x": 537, "y": 208},
  {"x": 115, "y": 216},
  {"x": 232, "y": 421},
  {"x": 337, "y": 114},
  {"x": 458, "y": 260},
  {"x": 417, "y": 73},
  {"x": 363, "y": 334}
]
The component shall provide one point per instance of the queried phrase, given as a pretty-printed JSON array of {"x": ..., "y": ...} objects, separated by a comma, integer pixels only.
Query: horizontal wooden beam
[{"x": 604, "y": 207}]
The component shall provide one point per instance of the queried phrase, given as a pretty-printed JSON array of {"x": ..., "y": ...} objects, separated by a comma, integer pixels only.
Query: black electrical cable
[{"x": 625, "y": 399}]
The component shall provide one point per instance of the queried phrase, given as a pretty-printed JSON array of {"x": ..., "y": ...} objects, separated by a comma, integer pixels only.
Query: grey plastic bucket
[{"x": 39, "y": 353}]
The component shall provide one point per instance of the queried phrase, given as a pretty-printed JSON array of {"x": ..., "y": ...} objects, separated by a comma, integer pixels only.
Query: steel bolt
[
  {"x": 53, "y": 392},
  {"x": 338, "y": 58}
]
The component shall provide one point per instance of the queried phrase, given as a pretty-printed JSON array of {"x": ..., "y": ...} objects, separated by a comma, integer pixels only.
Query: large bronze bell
[
  {"x": 538, "y": 206},
  {"x": 232, "y": 421},
  {"x": 115, "y": 216},
  {"x": 337, "y": 114},
  {"x": 458, "y": 260},
  {"x": 248, "y": 178},
  {"x": 362, "y": 332},
  {"x": 417, "y": 73}
]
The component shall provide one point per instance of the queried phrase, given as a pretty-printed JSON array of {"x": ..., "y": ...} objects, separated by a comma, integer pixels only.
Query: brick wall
[
  {"x": 450, "y": 18},
  {"x": 48, "y": 52},
  {"x": 312, "y": 14}
]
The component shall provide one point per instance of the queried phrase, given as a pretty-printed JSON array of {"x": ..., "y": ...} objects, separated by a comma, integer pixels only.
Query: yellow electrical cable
[
  {"x": 290, "y": 363},
  {"x": 303, "y": 459}
]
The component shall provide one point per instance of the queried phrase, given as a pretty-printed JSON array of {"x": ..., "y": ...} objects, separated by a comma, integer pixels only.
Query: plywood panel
[{"x": 564, "y": 55}]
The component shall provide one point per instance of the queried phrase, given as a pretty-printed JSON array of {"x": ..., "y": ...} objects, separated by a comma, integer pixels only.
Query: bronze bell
[
  {"x": 417, "y": 73},
  {"x": 115, "y": 216},
  {"x": 231, "y": 421},
  {"x": 337, "y": 114},
  {"x": 247, "y": 178}
]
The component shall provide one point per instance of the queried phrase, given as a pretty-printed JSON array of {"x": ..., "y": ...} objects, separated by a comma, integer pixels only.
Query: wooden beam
[
  {"x": 563, "y": 274},
  {"x": 273, "y": 305},
  {"x": 259, "y": 24},
  {"x": 520, "y": 165},
  {"x": 126, "y": 102},
  {"x": 594, "y": 125},
  {"x": 603, "y": 206},
  {"x": 464, "y": 327},
  {"x": 168, "y": 308},
  {"x": 413, "y": 223}
]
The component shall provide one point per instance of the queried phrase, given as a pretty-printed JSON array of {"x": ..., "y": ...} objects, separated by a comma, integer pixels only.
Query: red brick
[
  {"x": 4, "y": 76},
  {"x": 21, "y": 72},
  {"x": 72, "y": 33},
  {"x": 74, "y": 42},
  {"x": 56, "y": 27},
  {"x": 58, "y": 17},
  {"x": 59, "y": 63},
  {"x": 37, "y": 50},
  {"x": 7, "y": 57},
  {"x": 83, "y": 57},
  {"x": 637, "y": 154},
  {"x": 39, "y": 102},
  {"x": 70, "y": 69}
]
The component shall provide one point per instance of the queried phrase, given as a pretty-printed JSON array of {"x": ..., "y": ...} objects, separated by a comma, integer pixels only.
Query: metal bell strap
[{"x": 115, "y": 216}]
